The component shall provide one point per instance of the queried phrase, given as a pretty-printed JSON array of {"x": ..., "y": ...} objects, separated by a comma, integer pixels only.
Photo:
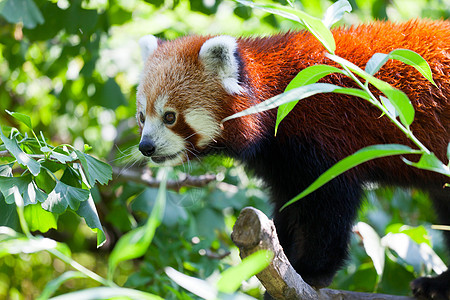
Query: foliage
[{"x": 69, "y": 69}]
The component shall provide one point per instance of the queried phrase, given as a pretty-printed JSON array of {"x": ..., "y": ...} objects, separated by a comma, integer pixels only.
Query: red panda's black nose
[{"x": 147, "y": 147}]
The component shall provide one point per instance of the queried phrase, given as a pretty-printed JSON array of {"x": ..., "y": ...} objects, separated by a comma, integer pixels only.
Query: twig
[
  {"x": 253, "y": 231},
  {"x": 147, "y": 179}
]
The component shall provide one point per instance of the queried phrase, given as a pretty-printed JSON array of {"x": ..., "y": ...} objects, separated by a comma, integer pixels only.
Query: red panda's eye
[
  {"x": 141, "y": 117},
  {"x": 169, "y": 118}
]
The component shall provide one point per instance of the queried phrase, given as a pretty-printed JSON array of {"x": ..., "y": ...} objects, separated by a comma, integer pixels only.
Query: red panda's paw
[{"x": 436, "y": 288}]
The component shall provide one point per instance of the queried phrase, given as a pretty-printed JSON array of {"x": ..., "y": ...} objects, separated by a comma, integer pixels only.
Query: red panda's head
[{"x": 181, "y": 95}]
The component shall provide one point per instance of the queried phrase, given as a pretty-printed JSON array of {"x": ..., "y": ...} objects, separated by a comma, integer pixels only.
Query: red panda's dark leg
[
  {"x": 315, "y": 232},
  {"x": 437, "y": 287}
]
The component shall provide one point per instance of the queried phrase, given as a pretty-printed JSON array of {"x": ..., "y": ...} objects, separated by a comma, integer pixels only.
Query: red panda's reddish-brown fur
[
  {"x": 346, "y": 124},
  {"x": 320, "y": 130}
]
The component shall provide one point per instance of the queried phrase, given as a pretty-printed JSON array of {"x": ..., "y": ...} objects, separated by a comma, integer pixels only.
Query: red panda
[{"x": 192, "y": 83}]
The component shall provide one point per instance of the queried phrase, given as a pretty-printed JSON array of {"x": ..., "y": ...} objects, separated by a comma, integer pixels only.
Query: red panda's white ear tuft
[
  {"x": 148, "y": 45},
  {"x": 218, "y": 56}
]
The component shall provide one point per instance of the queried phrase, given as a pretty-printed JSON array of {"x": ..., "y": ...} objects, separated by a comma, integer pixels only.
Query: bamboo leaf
[
  {"x": 335, "y": 12},
  {"x": 231, "y": 279},
  {"x": 307, "y": 76},
  {"x": 399, "y": 99},
  {"x": 312, "y": 24},
  {"x": 357, "y": 158}
]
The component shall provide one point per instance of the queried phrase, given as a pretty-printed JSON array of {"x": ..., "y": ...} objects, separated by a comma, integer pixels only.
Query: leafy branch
[{"x": 394, "y": 103}]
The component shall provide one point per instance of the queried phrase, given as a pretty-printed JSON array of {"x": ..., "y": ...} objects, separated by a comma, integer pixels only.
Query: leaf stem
[
  {"x": 81, "y": 268},
  {"x": 377, "y": 104}
]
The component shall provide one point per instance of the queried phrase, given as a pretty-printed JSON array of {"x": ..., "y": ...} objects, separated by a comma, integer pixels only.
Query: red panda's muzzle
[{"x": 147, "y": 147}]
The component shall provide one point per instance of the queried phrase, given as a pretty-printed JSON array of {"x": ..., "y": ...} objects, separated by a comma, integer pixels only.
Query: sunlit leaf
[
  {"x": 25, "y": 11},
  {"x": 357, "y": 158},
  {"x": 297, "y": 94},
  {"x": 418, "y": 234},
  {"x": 232, "y": 278},
  {"x": 100, "y": 293},
  {"x": 413, "y": 59},
  {"x": 376, "y": 62},
  {"x": 39, "y": 219},
  {"x": 307, "y": 76},
  {"x": 198, "y": 287},
  {"x": 22, "y": 158},
  {"x": 22, "y": 118},
  {"x": 335, "y": 12},
  {"x": 414, "y": 254},
  {"x": 398, "y": 99},
  {"x": 312, "y": 24},
  {"x": 64, "y": 195},
  {"x": 25, "y": 245},
  {"x": 429, "y": 161},
  {"x": 404, "y": 55},
  {"x": 372, "y": 244},
  {"x": 25, "y": 186}
]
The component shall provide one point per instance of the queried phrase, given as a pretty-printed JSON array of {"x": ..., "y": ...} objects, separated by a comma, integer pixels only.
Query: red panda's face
[{"x": 181, "y": 93}]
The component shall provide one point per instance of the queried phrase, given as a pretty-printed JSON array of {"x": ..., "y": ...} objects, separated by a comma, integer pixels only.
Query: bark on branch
[
  {"x": 253, "y": 231},
  {"x": 147, "y": 179}
]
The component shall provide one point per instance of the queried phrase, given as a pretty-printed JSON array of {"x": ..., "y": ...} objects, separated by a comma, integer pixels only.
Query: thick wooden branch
[{"x": 253, "y": 231}]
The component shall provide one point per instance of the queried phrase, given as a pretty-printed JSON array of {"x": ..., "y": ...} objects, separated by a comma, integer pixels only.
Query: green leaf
[
  {"x": 307, "y": 76},
  {"x": 429, "y": 161},
  {"x": 88, "y": 211},
  {"x": 22, "y": 118},
  {"x": 22, "y": 158},
  {"x": 357, "y": 158},
  {"x": 197, "y": 286},
  {"x": 94, "y": 169},
  {"x": 25, "y": 245},
  {"x": 420, "y": 257},
  {"x": 372, "y": 245},
  {"x": 376, "y": 62},
  {"x": 111, "y": 95},
  {"x": 335, "y": 12},
  {"x": 64, "y": 195},
  {"x": 404, "y": 55},
  {"x": 100, "y": 293},
  {"x": 52, "y": 286},
  {"x": 399, "y": 99},
  {"x": 9, "y": 184},
  {"x": 297, "y": 94},
  {"x": 312, "y": 24},
  {"x": 39, "y": 219},
  {"x": 8, "y": 214},
  {"x": 136, "y": 242},
  {"x": 98, "y": 171},
  {"x": 62, "y": 158},
  {"x": 25, "y": 11},
  {"x": 413, "y": 59},
  {"x": 418, "y": 234},
  {"x": 448, "y": 152},
  {"x": 231, "y": 279},
  {"x": 25, "y": 186}
]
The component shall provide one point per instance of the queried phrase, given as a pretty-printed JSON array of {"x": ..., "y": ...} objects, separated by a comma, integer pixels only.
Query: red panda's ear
[
  {"x": 148, "y": 45},
  {"x": 218, "y": 56}
]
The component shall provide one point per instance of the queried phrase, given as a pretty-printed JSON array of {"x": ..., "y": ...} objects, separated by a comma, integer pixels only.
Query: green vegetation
[{"x": 68, "y": 76}]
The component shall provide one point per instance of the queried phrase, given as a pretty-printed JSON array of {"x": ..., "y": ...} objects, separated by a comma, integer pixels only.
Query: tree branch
[
  {"x": 147, "y": 179},
  {"x": 253, "y": 231}
]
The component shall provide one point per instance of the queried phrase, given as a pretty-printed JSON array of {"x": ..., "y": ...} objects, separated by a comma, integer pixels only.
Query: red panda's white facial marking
[{"x": 181, "y": 93}]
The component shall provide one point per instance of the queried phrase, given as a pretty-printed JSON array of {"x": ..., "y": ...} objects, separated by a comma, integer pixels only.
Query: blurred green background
[{"x": 73, "y": 67}]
